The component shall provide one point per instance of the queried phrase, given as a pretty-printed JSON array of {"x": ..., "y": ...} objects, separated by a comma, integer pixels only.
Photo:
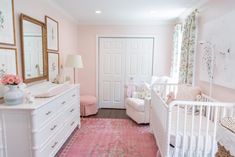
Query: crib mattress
[
  {"x": 226, "y": 138},
  {"x": 202, "y": 139}
]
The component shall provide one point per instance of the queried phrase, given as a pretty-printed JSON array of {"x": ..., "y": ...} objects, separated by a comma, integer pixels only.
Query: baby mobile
[{"x": 208, "y": 60}]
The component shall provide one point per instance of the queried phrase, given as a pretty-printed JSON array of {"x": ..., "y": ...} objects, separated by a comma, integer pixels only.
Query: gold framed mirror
[{"x": 34, "y": 53}]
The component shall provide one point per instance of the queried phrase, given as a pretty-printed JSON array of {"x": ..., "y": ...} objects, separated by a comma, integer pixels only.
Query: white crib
[{"x": 185, "y": 128}]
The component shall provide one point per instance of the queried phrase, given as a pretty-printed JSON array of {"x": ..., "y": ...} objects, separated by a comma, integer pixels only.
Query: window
[{"x": 175, "y": 65}]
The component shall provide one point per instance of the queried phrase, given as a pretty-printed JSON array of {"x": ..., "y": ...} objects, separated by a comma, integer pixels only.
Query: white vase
[{"x": 14, "y": 95}]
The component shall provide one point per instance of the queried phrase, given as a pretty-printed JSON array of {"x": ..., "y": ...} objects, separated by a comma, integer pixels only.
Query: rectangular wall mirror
[{"x": 34, "y": 55}]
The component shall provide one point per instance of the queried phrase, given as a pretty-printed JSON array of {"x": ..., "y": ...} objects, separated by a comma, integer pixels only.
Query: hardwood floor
[{"x": 111, "y": 113}]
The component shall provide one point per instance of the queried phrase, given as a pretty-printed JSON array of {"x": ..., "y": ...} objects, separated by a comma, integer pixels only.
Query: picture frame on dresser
[
  {"x": 53, "y": 66},
  {"x": 8, "y": 64},
  {"x": 52, "y": 27},
  {"x": 7, "y": 23}
]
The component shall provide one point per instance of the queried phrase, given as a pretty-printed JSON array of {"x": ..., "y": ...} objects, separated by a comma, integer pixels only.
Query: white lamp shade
[{"x": 74, "y": 61}]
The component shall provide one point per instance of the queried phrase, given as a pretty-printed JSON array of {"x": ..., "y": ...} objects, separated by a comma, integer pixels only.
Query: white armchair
[
  {"x": 138, "y": 103},
  {"x": 137, "y": 106}
]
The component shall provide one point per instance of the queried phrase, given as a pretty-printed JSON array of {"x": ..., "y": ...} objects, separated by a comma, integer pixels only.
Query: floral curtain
[{"x": 188, "y": 50}]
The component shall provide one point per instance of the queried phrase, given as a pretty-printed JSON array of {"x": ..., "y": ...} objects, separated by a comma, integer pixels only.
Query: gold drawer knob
[
  {"x": 72, "y": 123},
  {"x": 53, "y": 146},
  {"x": 48, "y": 113},
  {"x": 53, "y": 128}
]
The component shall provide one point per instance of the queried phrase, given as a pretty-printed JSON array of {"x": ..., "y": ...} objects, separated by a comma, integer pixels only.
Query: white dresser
[{"x": 41, "y": 128}]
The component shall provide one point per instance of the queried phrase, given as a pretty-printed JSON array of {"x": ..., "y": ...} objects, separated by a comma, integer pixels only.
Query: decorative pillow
[
  {"x": 142, "y": 91},
  {"x": 188, "y": 93}
]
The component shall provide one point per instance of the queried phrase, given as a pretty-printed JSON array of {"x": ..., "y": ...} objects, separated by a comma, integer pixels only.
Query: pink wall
[
  {"x": 87, "y": 48},
  {"x": 38, "y": 9},
  {"x": 210, "y": 11}
]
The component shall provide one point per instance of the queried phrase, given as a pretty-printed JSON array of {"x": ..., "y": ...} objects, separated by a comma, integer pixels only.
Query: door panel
[
  {"x": 117, "y": 94},
  {"x": 139, "y": 59},
  {"x": 120, "y": 59},
  {"x": 107, "y": 91},
  {"x": 111, "y": 59}
]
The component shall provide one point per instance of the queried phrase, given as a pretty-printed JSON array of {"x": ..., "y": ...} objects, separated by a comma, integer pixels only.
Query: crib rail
[
  {"x": 163, "y": 89},
  {"x": 186, "y": 128},
  {"x": 196, "y": 126}
]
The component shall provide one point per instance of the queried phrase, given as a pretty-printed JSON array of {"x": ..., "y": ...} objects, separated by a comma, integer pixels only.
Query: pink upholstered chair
[{"x": 88, "y": 105}]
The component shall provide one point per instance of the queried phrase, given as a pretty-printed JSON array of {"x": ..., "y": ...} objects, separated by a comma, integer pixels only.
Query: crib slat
[
  {"x": 214, "y": 131},
  {"x": 198, "y": 135},
  {"x": 207, "y": 128},
  {"x": 173, "y": 89},
  {"x": 168, "y": 130},
  {"x": 223, "y": 112},
  {"x": 185, "y": 126},
  {"x": 230, "y": 113},
  {"x": 233, "y": 112},
  {"x": 199, "y": 129},
  {"x": 176, "y": 153},
  {"x": 192, "y": 131},
  {"x": 164, "y": 91}
]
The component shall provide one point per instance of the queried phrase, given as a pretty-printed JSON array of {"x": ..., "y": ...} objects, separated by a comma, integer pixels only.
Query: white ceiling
[{"x": 125, "y": 11}]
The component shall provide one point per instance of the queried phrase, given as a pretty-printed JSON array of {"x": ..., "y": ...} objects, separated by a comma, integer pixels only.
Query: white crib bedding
[
  {"x": 187, "y": 138},
  {"x": 226, "y": 138}
]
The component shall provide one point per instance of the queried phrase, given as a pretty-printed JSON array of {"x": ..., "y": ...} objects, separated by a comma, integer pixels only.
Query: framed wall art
[
  {"x": 7, "y": 22},
  {"x": 53, "y": 65},
  {"x": 8, "y": 64},
  {"x": 52, "y": 34}
]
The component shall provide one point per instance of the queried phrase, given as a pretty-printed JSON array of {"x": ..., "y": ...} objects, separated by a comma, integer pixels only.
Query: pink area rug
[{"x": 110, "y": 138}]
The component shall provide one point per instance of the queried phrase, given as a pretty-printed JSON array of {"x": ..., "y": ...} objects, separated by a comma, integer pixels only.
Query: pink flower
[
  {"x": 2, "y": 81},
  {"x": 9, "y": 79},
  {"x": 17, "y": 80}
]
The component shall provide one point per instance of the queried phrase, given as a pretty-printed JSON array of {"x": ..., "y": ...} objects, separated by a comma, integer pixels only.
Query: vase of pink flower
[{"x": 14, "y": 95}]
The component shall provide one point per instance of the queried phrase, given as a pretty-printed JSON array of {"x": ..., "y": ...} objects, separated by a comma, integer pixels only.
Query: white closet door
[
  {"x": 111, "y": 72},
  {"x": 120, "y": 59},
  {"x": 139, "y": 59}
]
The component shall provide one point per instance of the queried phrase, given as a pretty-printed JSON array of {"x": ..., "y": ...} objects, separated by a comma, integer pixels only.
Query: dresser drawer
[
  {"x": 71, "y": 124},
  {"x": 44, "y": 134},
  {"x": 43, "y": 115},
  {"x": 52, "y": 146},
  {"x": 73, "y": 109},
  {"x": 57, "y": 141}
]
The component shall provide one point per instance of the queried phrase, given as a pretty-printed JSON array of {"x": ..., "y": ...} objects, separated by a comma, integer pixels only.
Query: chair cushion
[
  {"x": 135, "y": 103},
  {"x": 142, "y": 91},
  {"x": 86, "y": 100}
]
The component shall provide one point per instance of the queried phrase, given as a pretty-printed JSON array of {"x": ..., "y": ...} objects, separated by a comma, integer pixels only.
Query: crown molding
[{"x": 53, "y": 4}]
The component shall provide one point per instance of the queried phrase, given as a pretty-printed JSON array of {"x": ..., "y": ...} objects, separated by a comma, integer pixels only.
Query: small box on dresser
[{"x": 41, "y": 128}]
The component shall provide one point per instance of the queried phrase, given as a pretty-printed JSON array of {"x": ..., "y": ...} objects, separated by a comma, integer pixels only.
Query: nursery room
[{"x": 107, "y": 78}]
